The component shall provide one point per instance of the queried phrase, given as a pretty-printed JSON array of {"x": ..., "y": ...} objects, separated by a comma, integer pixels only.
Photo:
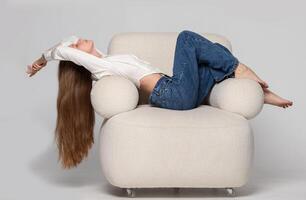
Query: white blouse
[{"x": 126, "y": 65}]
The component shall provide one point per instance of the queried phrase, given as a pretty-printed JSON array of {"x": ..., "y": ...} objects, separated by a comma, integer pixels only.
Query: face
[{"x": 84, "y": 45}]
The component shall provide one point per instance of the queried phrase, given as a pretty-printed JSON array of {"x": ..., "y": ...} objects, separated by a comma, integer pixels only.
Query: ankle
[{"x": 240, "y": 69}]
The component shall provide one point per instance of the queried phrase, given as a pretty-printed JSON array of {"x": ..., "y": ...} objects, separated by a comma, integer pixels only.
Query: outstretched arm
[
  {"x": 62, "y": 51},
  {"x": 48, "y": 55},
  {"x": 92, "y": 63}
]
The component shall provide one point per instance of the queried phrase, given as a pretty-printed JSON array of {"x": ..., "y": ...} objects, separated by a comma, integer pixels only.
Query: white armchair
[{"x": 142, "y": 146}]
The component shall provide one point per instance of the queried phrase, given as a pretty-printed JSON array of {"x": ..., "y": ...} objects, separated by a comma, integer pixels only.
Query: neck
[{"x": 96, "y": 53}]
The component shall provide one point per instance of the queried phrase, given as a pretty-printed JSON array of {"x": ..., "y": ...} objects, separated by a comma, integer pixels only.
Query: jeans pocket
[
  {"x": 161, "y": 85},
  {"x": 161, "y": 92}
]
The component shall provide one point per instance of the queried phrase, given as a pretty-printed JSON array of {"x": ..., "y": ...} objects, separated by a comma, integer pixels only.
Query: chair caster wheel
[
  {"x": 130, "y": 192},
  {"x": 230, "y": 191}
]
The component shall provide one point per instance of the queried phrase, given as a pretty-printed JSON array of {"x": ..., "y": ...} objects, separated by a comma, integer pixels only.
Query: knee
[{"x": 184, "y": 34}]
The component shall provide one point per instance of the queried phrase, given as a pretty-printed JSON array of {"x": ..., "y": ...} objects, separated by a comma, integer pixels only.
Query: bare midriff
[{"x": 147, "y": 83}]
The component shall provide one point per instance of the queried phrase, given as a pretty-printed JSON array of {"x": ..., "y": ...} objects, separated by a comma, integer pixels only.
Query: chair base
[
  {"x": 131, "y": 192},
  {"x": 153, "y": 147}
]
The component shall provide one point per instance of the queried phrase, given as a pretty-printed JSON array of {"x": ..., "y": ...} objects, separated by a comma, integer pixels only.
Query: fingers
[
  {"x": 32, "y": 69},
  {"x": 36, "y": 66},
  {"x": 263, "y": 85},
  {"x": 266, "y": 89}
]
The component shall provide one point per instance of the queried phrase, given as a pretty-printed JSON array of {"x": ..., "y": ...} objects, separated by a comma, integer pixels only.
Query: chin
[{"x": 91, "y": 42}]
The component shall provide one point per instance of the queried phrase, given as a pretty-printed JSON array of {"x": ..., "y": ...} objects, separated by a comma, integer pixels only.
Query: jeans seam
[{"x": 218, "y": 45}]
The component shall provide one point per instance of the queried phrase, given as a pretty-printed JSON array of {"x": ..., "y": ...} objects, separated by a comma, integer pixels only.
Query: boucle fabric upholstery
[
  {"x": 111, "y": 96},
  {"x": 142, "y": 146},
  {"x": 238, "y": 95},
  {"x": 156, "y": 48},
  {"x": 154, "y": 147}
]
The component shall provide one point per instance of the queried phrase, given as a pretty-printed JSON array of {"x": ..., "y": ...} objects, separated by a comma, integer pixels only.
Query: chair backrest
[{"x": 155, "y": 47}]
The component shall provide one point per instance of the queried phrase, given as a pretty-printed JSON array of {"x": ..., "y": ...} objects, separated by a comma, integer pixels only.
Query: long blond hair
[{"x": 75, "y": 114}]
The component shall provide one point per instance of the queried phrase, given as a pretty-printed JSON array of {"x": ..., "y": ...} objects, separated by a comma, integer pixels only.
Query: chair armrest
[
  {"x": 112, "y": 95},
  {"x": 238, "y": 95}
]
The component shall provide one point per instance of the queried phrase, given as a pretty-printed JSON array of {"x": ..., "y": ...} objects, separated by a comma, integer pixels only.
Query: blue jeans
[{"x": 198, "y": 65}]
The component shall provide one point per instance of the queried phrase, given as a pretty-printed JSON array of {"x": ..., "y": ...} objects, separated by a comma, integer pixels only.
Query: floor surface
[{"x": 42, "y": 178}]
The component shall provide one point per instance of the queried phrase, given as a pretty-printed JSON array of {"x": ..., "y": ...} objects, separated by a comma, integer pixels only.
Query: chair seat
[{"x": 156, "y": 147}]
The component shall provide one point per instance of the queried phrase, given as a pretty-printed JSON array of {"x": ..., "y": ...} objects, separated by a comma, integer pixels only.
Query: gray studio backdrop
[{"x": 269, "y": 36}]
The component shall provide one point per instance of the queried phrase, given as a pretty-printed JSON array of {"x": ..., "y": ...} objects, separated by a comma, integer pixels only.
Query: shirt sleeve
[
  {"x": 92, "y": 63},
  {"x": 62, "y": 51},
  {"x": 48, "y": 54}
]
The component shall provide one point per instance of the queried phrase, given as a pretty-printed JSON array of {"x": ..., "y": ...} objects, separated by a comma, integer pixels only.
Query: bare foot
[
  {"x": 274, "y": 99},
  {"x": 242, "y": 71}
]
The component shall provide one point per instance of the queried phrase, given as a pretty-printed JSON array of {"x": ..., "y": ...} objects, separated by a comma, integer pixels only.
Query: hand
[{"x": 36, "y": 66}]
